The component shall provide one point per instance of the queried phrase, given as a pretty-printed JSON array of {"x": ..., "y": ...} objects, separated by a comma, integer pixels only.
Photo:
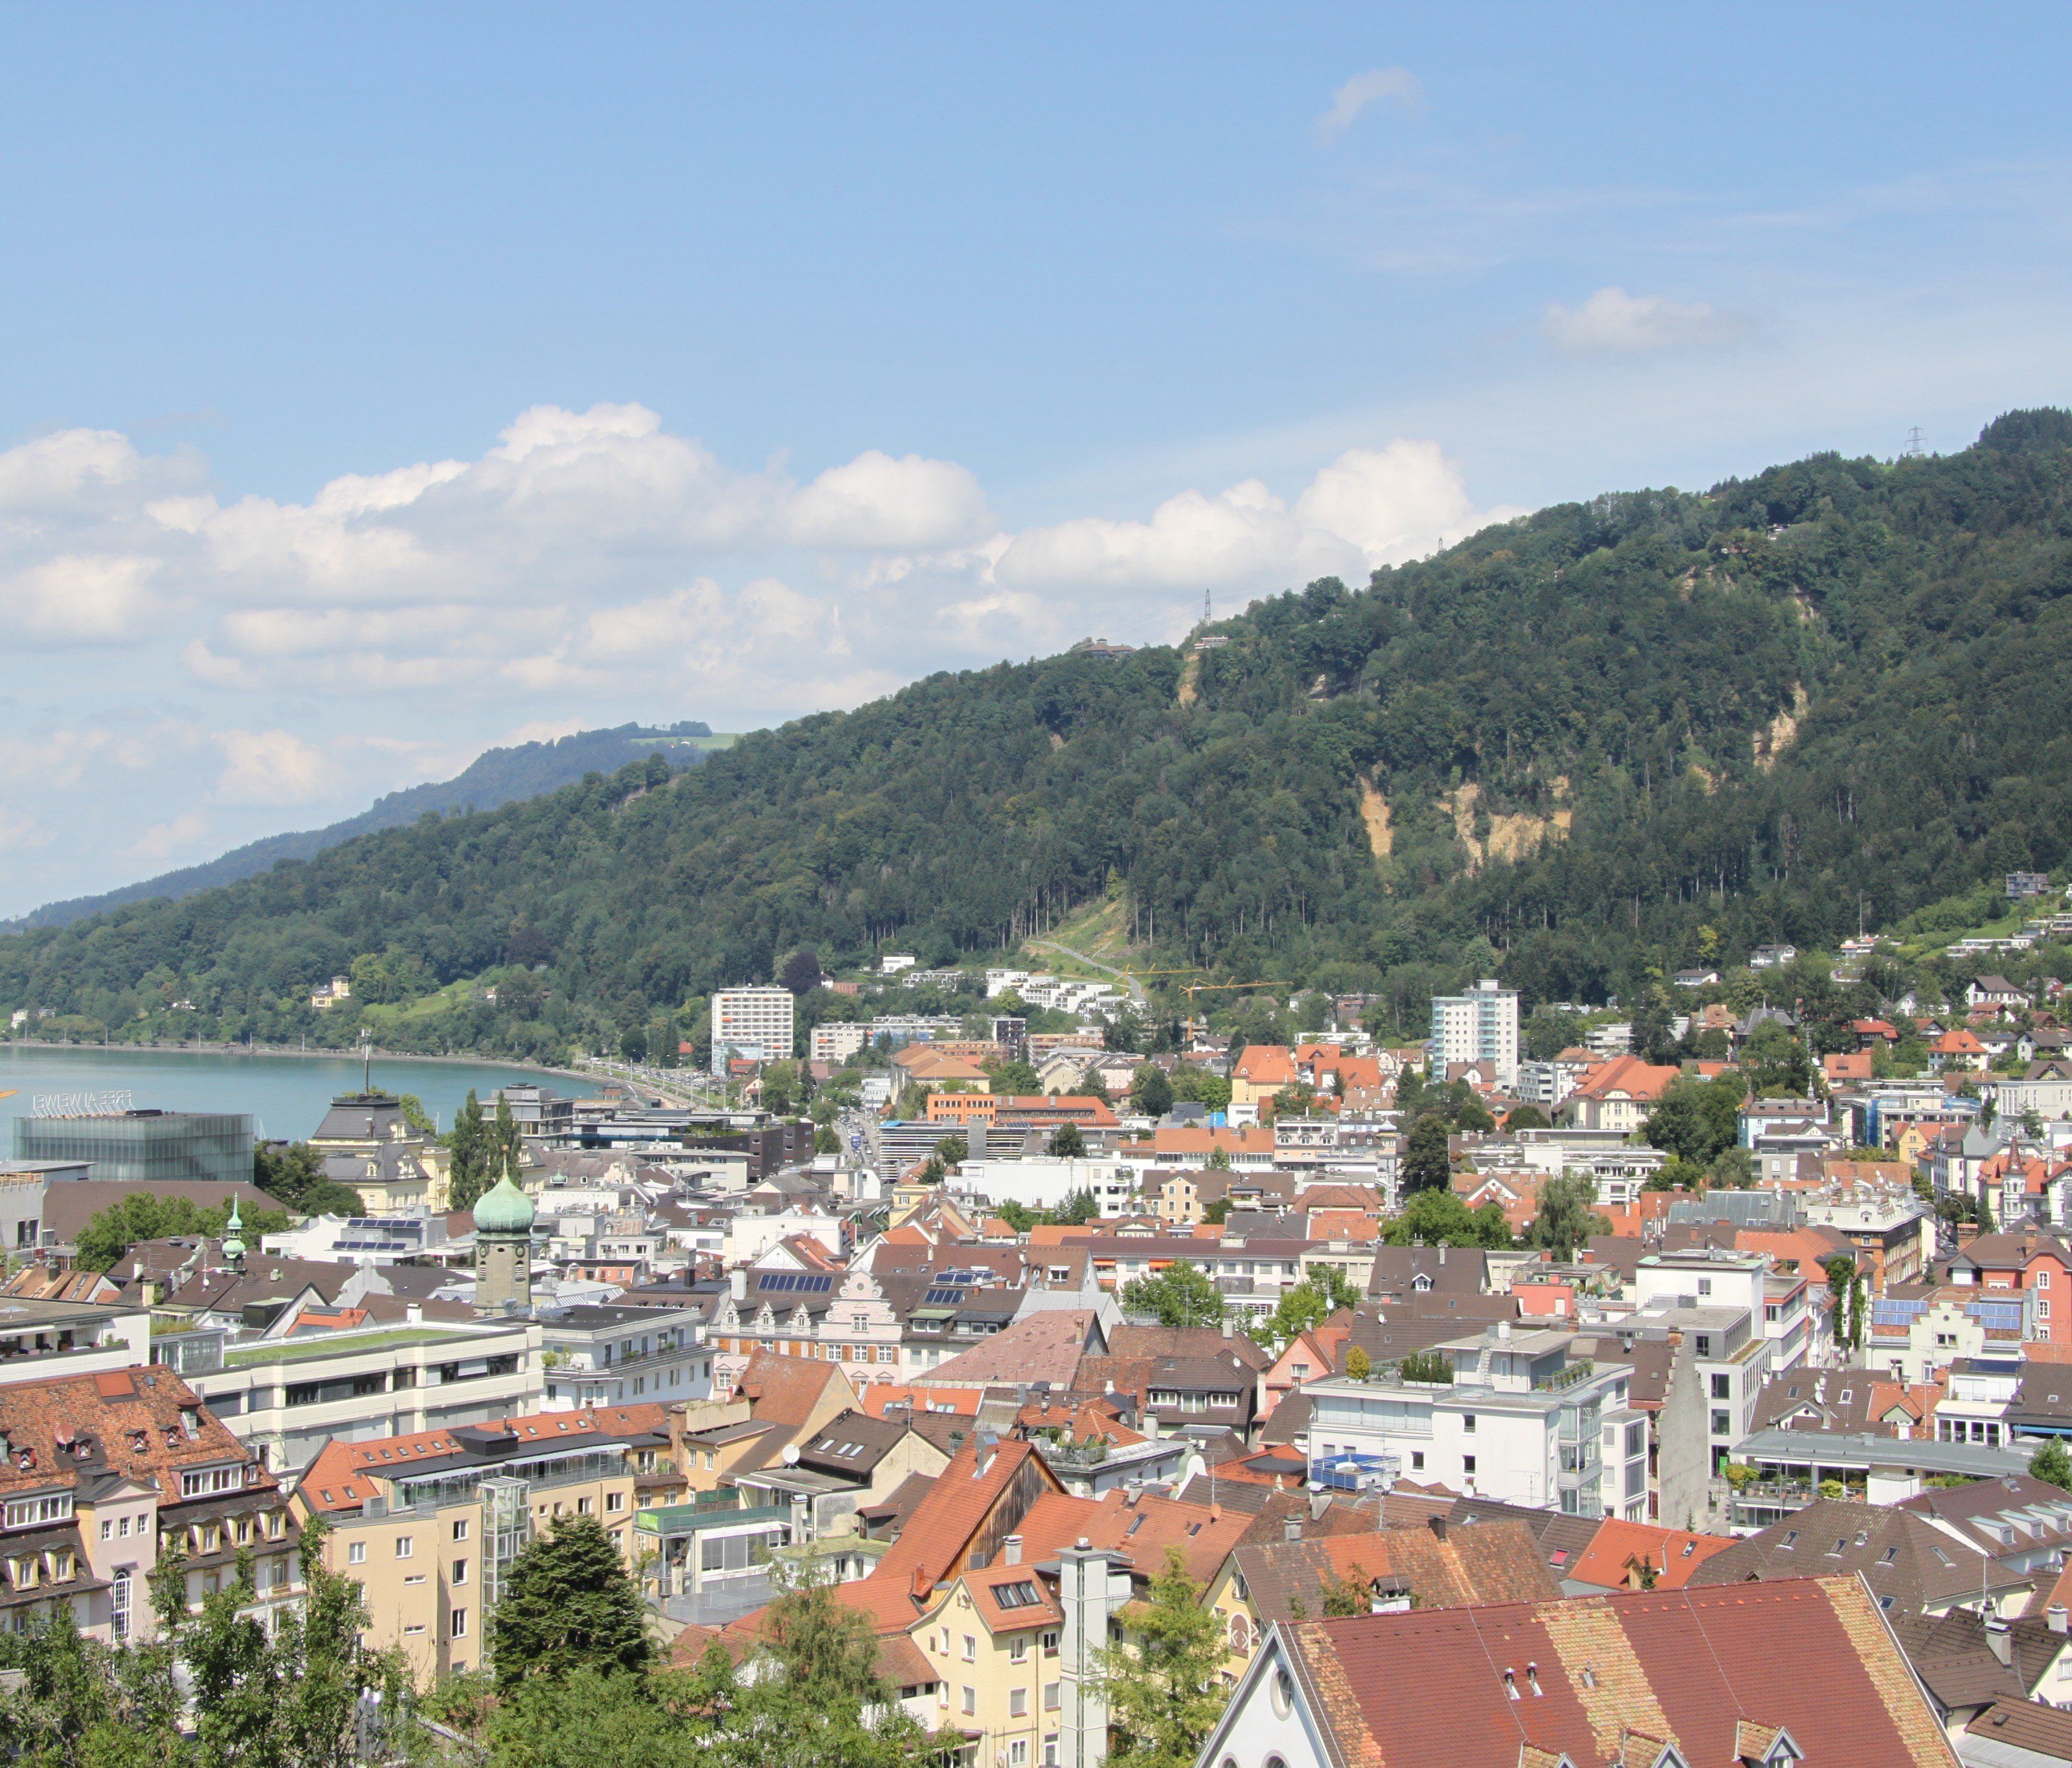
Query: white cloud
[
  {"x": 161, "y": 840},
  {"x": 1368, "y": 508},
  {"x": 18, "y": 831},
  {"x": 59, "y": 469},
  {"x": 273, "y": 767},
  {"x": 1612, "y": 322},
  {"x": 877, "y": 502},
  {"x": 81, "y": 599},
  {"x": 1393, "y": 85}
]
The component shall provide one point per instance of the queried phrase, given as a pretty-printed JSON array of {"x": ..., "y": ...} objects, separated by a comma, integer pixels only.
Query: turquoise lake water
[{"x": 285, "y": 1094}]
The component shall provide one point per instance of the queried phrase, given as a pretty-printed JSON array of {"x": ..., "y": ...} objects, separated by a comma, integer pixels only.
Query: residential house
[
  {"x": 1619, "y": 1095},
  {"x": 102, "y": 1475}
]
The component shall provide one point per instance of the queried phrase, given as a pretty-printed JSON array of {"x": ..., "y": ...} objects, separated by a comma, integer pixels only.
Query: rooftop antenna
[{"x": 1917, "y": 447}]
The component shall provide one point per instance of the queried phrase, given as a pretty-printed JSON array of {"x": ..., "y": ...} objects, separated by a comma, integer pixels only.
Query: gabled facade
[{"x": 1682, "y": 1680}]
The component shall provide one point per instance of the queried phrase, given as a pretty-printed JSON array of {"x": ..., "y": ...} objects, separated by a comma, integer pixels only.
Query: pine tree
[
  {"x": 570, "y": 1604},
  {"x": 468, "y": 1148},
  {"x": 507, "y": 1146}
]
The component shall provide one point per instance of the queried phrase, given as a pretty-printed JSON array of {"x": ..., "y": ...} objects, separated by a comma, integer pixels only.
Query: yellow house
[
  {"x": 428, "y": 1524},
  {"x": 991, "y": 1640},
  {"x": 1262, "y": 1072}
]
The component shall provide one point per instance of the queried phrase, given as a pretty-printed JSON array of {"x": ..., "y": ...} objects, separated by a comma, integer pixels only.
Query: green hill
[
  {"x": 496, "y": 777},
  {"x": 1575, "y": 746}
]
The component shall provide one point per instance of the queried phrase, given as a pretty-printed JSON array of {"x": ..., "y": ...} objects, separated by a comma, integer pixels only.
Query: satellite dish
[{"x": 791, "y": 1454}]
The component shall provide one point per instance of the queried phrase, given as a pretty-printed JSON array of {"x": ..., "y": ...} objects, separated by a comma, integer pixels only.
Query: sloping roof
[
  {"x": 963, "y": 1496},
  {"x": 1161, "y": 1341},
  {"x": 1692, "y": 1666},
  {"x": 144, "y": 1425},
  {"x": 1627, "y": 1076},
  {"x": 343, "y": 1475},
  {"x": 2045, "y": 1732},
  {"x": 784, "y": 1390},
  {"x": 1143, "y": 1530},
  {"x": 1952, "y": 1655},
  {"x": 1907, "y": 1560},
  {"x": 1619, "y": 1548},
  {"x": 1045, "y": 1347},
  {"x": 1493, "y": 1562}
]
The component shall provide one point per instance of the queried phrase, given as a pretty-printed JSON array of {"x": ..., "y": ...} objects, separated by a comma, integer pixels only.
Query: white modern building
[
  {"x": 757, "y": 1023},
  {"x": 1480, "y": 1026},
  {"x": 1521, "y": 1421},
  {"x": 837, "y": 1040}
]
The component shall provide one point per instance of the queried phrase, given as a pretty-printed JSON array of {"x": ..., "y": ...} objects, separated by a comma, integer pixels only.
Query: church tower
[{"x": 504, "y": 1249}]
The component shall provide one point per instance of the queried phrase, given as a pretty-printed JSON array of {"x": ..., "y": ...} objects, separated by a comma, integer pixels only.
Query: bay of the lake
[{"x": 285, "y": 1094}]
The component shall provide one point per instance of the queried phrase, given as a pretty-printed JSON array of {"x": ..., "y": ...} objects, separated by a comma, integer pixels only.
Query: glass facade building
[{"x": 144, "y": 1144}]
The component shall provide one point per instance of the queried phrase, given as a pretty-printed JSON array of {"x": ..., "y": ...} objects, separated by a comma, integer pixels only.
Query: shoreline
[{"x": 199, "y": 1047}]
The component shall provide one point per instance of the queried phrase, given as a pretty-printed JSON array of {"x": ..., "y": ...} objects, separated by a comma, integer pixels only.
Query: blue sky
[{"x": 388, "y": 382}]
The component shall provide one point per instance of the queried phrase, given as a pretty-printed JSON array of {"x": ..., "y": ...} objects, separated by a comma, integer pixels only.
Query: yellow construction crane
[{"x": 10, "y": 1093}]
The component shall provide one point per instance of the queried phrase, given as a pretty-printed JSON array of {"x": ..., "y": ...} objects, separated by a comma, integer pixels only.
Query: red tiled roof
[
  {"x": 343, "y": 1475},
  {"x": 145, "y": 1425},
  {"x": 1693, "y": 1665},
  {"x": 1619, "y": 1547},
  {"x": 940, "y": 1531}
]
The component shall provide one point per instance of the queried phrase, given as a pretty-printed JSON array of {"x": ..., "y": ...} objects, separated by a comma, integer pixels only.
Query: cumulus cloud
[
  {"x": 1396, "y": 86},
  {"x": 81, "y": 599},
  {"x": 877, "y": 502},
  {"x": 273, "y": 767},
  {"x": 1368, "y": 508},
  {"x": 161, "y": 840},
  {"x": 1612, "y": 322}
]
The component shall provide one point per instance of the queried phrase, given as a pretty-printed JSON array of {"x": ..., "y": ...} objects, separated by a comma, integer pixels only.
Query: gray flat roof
[{"x": 1835, "y": 1449}]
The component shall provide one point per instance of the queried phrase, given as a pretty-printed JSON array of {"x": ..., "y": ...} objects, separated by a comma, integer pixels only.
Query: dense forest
[
  {"x": 496, "y": 777},
  {"x": 1600, "y": 741}
]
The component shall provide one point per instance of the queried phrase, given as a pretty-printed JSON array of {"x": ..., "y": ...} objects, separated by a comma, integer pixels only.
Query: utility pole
[{"x": 1917, "y": 447}]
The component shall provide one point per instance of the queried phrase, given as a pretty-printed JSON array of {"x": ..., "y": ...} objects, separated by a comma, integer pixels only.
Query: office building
[
  {"x": 1480, "y": 1026},
  {"x": 131, "y": 1145},
  {"x": 755, "y": 1023}
]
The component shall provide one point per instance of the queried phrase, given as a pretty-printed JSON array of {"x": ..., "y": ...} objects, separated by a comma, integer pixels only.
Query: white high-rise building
[
  {"x": 756, "y": 1022},
  {"x": 1480, "y": 1026}
]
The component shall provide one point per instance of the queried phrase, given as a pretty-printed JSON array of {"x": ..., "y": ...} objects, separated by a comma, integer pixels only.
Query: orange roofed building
[{"x": 1620, "y": 1095}]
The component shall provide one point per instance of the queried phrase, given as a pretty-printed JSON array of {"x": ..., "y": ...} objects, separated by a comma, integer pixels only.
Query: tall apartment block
[
  {"x": 754, "y": 1022},
  {"x": 1480, "y": 1026}
]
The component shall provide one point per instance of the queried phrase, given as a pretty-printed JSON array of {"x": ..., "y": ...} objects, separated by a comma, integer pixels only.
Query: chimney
[
  {"x": 2055, "y": 1615},
  {"x": 1442, "y": 1252},
  {"x": 737, "y": 1283},
  {"x": 1292, "y": 1529},
  {"x": 1011, "y": 1550},
  {"x": 1437, "y": 1522},
  {"x": 1997, "y": 1632}
]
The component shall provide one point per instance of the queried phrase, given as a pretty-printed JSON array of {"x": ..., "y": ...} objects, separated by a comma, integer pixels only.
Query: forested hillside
[
  {"x": 1577, "y": 745},
  {"x": 496, "y": 777}
]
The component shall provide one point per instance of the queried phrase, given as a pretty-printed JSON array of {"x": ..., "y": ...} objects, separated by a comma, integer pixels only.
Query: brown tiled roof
[
  {"x": 1495, "y": 1562},
  {"x": 784, "y": 1390},
  {"x": 1045, "y": 1347},
  {"x": 1159, "y": 1341},
  {"x": 144, "y": 1425},
  {"x": 1707, "y": 1669},
  {"x": 1909, "y": 1563},
  {"x": 2026, "y": 1724}
]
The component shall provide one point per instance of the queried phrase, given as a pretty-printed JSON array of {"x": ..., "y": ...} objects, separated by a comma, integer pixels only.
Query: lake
[{"x": 285, "y": 1096}]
